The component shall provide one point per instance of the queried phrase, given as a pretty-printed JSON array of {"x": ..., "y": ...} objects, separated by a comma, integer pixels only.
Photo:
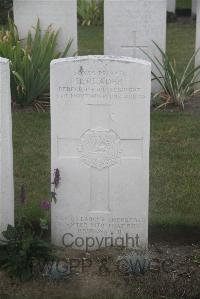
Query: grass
[
  {"x": 181, "y": 42},
  {"x": 175, "y": 147},
  {"x": 175, "y": 176},
  {"x": 181, "y": 4},
  {"x": 90, "y": 40},
  {"x": 31, "y": 136}
]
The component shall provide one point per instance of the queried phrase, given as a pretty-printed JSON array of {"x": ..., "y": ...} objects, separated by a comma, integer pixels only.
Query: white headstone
[
  {"x": 133, "y": 24},
  {"x": 194, "y": 7},
  {"x": 171, "y": 5},
  {"x": 6, "y": 153},
  {"x": 197, "y": 62},
  {"x": 100, "y": 120},
  {"x": 61, "y": 14}
]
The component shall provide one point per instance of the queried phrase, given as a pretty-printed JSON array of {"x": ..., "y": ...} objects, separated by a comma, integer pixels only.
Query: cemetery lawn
[
  {"x": 175, "y": 147},
  {"x": 174, "y": 169},
  {"x": 183, "y": 3},
  {"x": 90, "y": 41},
  {"x": 181, "y": 41}
]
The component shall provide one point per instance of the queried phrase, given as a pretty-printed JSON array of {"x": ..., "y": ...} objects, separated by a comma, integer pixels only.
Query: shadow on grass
[{"x": 174, "y": 234}]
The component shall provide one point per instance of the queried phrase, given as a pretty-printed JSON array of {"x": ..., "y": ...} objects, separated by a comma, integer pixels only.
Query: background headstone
[
  {"x": 100, "y": 121},
  {"x": 130, "y": 25},
  {"x": 171, "y": 6},
  {"x": 194, "y": 7},
  {"x": 6, "y": 152},
  {"x": 61, "y": 14}
]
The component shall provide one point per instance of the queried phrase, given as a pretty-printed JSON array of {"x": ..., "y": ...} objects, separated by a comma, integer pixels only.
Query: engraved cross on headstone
[
  {"x": 100, "y": 148},
  {"x": 134, "y": 45}
]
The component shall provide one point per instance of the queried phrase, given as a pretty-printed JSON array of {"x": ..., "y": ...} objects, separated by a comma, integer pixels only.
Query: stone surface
[
  {"x": 130, "y": 25},
  {"x": 197, "y": 60},
  {"x": 6, "y": 154},
  {"x": 100, "y": 119},
  {"x": 61, "y": 14},
  {"x": 194, "y": 7},
  {"x": 171, "y": 5}
]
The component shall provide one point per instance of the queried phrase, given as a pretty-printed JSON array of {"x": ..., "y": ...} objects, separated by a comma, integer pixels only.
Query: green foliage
[
  {"x": 176, "y": 89},
  {"x": 90, "y": 12},
  {"x": 22, "y": 250},
  {"x": 6, "y": 4},
  {"x": 29, "y": 60}
]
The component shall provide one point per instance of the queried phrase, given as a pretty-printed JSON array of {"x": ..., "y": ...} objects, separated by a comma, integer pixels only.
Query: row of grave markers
[
  {"x": 100, "y": 140},
  {"x": 100, "y": 134},
  {"x": 128, "y": 25},
  {"x": 100, "y": 121}
]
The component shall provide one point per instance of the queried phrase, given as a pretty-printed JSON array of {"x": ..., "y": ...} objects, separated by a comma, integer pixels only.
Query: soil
[
  {"x": 192, "y": 106},
  {"x": 174, "y": 272}
]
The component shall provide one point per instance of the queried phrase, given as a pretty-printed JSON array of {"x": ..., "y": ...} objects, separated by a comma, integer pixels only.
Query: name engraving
[{"x": 98, "y": 87}]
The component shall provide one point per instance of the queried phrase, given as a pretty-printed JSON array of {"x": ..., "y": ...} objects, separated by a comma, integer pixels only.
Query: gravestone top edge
[
  {"x": 101, "y": 58},
  {"x": 4, "y": 60}
]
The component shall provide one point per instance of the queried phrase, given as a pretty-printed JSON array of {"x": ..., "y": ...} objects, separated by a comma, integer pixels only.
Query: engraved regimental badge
[{"x": 100, "y": 148}]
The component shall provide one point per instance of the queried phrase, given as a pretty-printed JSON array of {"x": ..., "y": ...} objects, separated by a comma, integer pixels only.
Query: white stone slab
[
  {"x": 194, "y": 7},
  {"x": 100, "y": 120},
  {"x": 133, "y": 24},
  {"x": 197, "y": 60},
  {"x": 6, "y": 152},
  {"x": 61, "y": 14},
  {"x": 171, "y": 6}
]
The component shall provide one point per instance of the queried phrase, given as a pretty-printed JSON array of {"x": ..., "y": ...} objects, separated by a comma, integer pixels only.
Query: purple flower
[{"x": 45, "y": 205}]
